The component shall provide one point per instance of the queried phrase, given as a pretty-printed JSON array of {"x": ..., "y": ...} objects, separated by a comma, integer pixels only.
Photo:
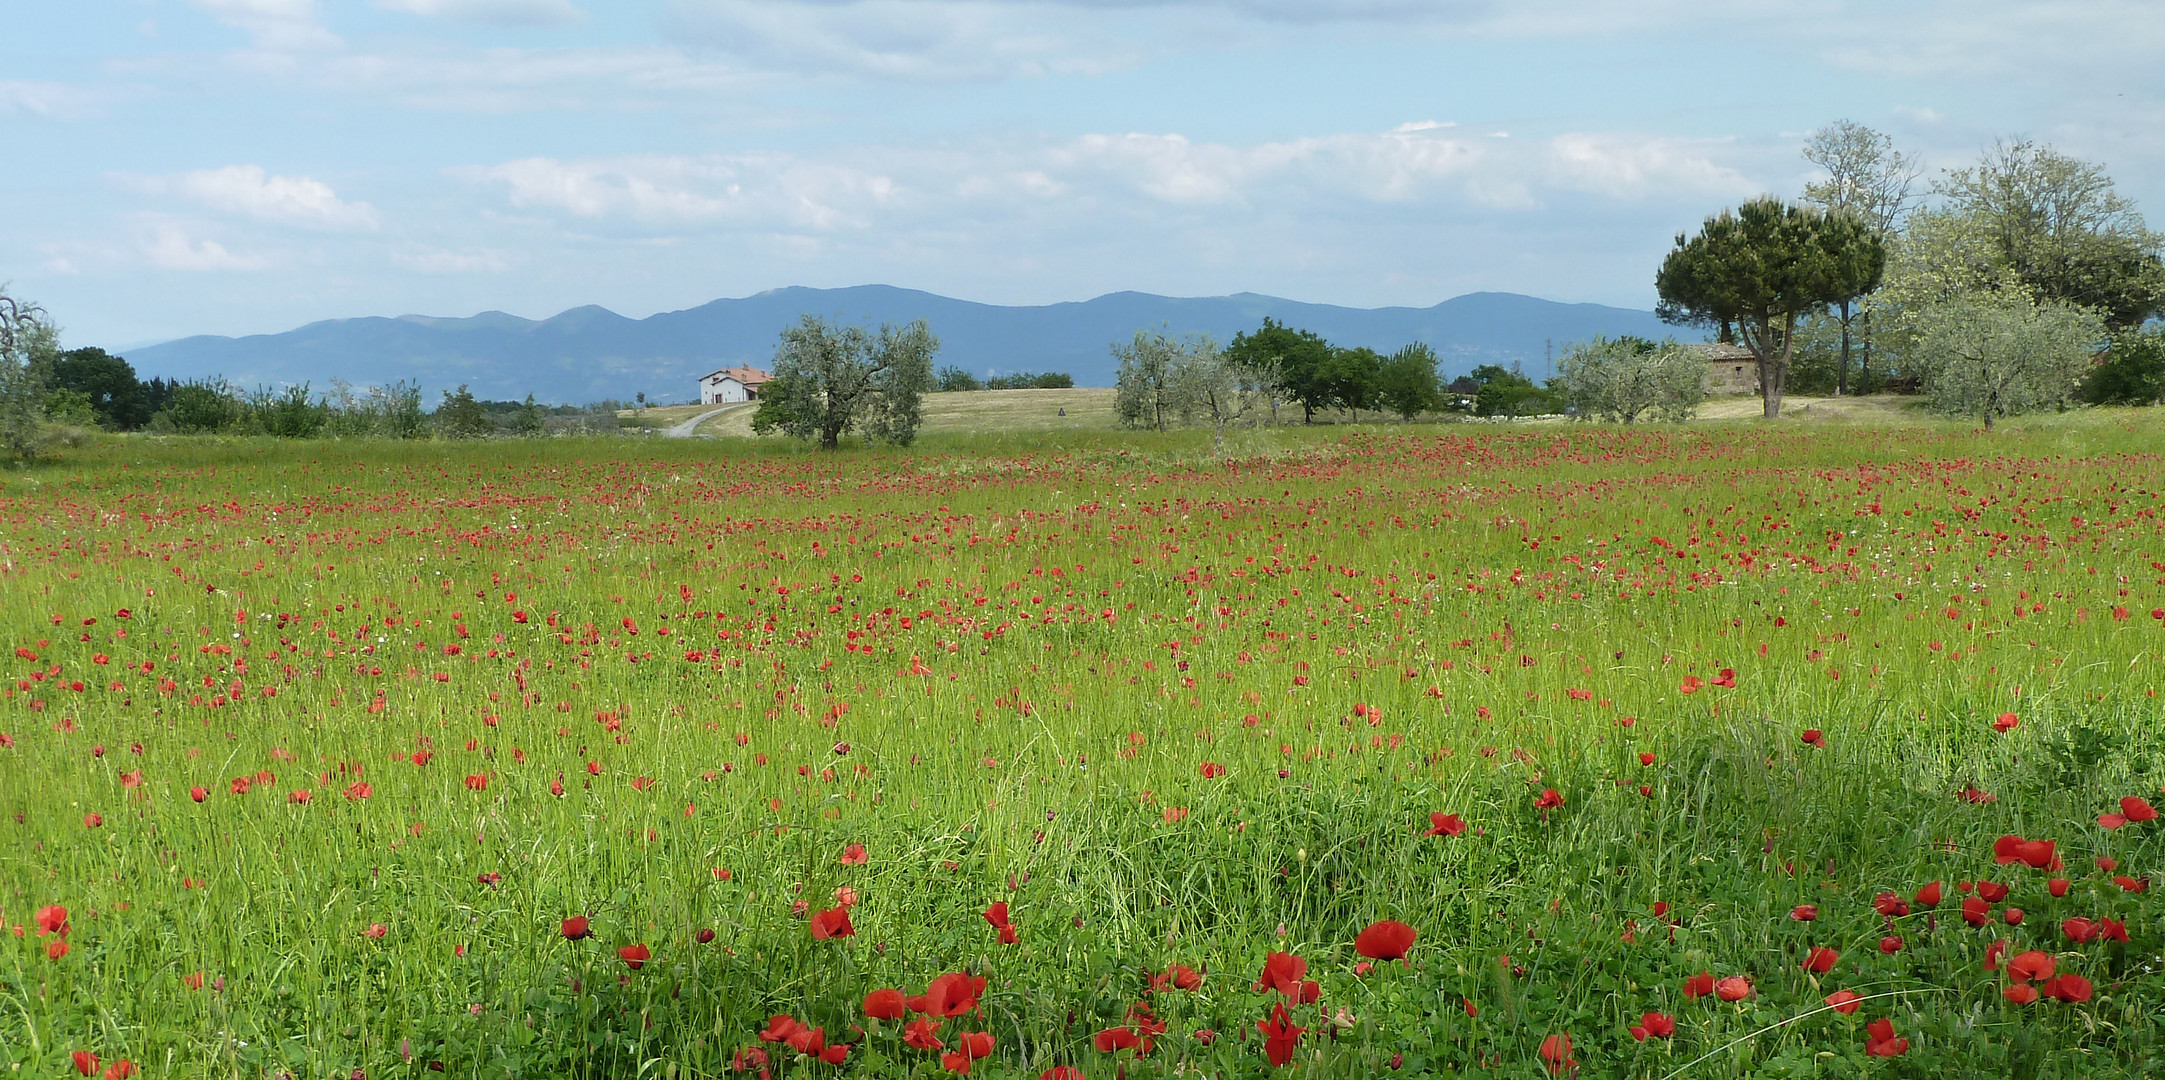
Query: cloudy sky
[{"x": 241, "y": 166}]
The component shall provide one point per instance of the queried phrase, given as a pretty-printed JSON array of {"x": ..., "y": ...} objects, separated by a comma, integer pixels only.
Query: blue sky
[{"x": 244, "y": 166}]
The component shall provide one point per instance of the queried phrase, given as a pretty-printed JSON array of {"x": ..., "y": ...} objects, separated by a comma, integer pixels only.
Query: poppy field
[{"x": 1769, "y": 751}]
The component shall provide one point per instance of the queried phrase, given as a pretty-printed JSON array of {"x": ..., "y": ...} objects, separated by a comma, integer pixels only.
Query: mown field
[{"x": 1782, "y": 751}]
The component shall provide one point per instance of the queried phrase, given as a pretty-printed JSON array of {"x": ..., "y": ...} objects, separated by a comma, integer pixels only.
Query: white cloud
[
  {"x": 249, "y": 191},
  {"x": 491, "y": 12},
  {"x": 170, "y": 247},
  {"x": 51, "y": 99},
  {"x": 909, "y": 40},
  {"x": 1627, "y": 167},
  {"x": 670, "y": 191},
  {"x": 276, "y": 25}
]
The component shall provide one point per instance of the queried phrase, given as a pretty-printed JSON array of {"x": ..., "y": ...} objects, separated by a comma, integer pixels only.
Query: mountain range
[{"x": 591, "y": 353}]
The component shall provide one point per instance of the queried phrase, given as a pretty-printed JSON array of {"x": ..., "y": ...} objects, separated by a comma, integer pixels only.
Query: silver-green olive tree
[
  {"x": 831, "y": 380},
  {"x": 1629, "y": 378},
  {"x": 1990, "y": 356},
  {"x": 28, "y": 344}
]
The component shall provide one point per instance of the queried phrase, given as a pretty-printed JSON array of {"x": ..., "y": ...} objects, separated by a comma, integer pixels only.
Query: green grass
[{"x": 1364, "y": 626}]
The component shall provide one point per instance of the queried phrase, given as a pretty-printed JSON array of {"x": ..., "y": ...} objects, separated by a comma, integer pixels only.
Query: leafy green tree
[
  {"x": 1506, "y": 393},
  {"x": 1354, "y": 378},
  {"x": 1870, "y": 180},
  {"x": 1624, "y": 379},
  {"x": 527, "y": 421},
  {"x": 1987, "y": 356},
  {"x": 2063, "y": 230},
  {"x": 1295, "y": 364},
  {"x": 1757, "y": 270},
  {"x": 2132, "y": 373},
  {"x": 199, "y": 407},
  {"x": 291, "y": 413},
  {"x": 831, "y": 380},
  {"x": 108, "y": 383},
  {"x": 461, "y": 417},
  {"x": 1408, "y": 384},
  {"x": 953, "y": 379}
]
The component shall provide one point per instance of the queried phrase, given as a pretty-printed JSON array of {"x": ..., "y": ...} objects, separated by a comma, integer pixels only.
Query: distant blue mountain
[{"x": 591, "y": 353}]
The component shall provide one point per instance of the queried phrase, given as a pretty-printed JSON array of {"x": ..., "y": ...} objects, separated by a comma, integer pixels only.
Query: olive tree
[
  {"x": 830, "y": 380},
  {"x": 1987, "y": 356},
  {"x": 1625, "y": 379},
  {"x": 27, "y": 346},
  {"x": 1142, "y": 391},
  {"x": 1206, "y": 386}
]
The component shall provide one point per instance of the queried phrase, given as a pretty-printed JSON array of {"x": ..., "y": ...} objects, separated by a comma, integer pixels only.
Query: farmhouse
[
  {"x": 1730, "y": 369},
  {"x": 731, "y": 384}
]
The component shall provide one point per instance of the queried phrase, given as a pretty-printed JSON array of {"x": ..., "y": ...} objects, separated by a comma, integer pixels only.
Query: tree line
[{"x": 2022, "y": 282}]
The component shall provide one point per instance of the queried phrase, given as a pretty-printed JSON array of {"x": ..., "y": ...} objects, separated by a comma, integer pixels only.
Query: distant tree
[
  {"x": 831, "y": 380},
  {"x": 1870, "y": 180},
  {"x": 108, "y": 383},
  {"x": 1294, "y": 364},
  {"x": 1031, "y": 380},
  {"x": 1056, "y": 380},
  {"x": 27, "y": 344},
  {"x": 461, "y": 417},
  {"x": 1508, "y": 394},
  {"x": 1353, "y": 378},
  {"x": 2131, "y": 373},
  {"x": 1142, "y": 394},
  {"x": 527, "y": 421},
  {"x": 1206, "y": 387},
  {"x": 953, "y": 379},
  {"x": 1757, "y": 270},
  {"x": 199, "y": 407},
  {"x": 1408, "y": 385},
  {"x": 2064, "y": 231},
  {"x": 2000, "y": 356},
  {"x": 1627, "y": 378},
  {"x": 290, "y": 413}
]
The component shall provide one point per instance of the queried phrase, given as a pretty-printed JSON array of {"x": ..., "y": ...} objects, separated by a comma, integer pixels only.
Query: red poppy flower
[
  {"x": 86, "y": 1062},
  {"x": 1890, "y": 905},
  {"x": 854, "y": 855},
  {"x": 923, "y": 1034},
  {"x": 52, "y": 919},
  {"x": 2013, "y": 915},
  {"x": 1814, "y": 737},
  {"x": 1283, "y": 972},
  {"x": 1880, "y": 1040},
  {"x": 952, "y": 994},
  {"x": 1804, "y": 912},
  {"x": 2133, "y": 885},
  {"x": 2070, "y": 988},
  {"x": 575, "y": 928},
  {"x": 1556, "y": 1054},
  {"x": 1733, "y": 988},
  {"x": 807, "y": 1041},
  {"x": 2078, "y": 929},
  {"x": 2013, "y": 849},
  {"x": 997, "y": 913},
  {"x": 1184, "y": 978},
  {"x": 883, "y": 1004},
  {"x": 1061, "y": 1072},
  {"x": 120, "y": 1070},
  {"x": 835, "y": 1055},
  {"x": 1445, "y": 825},
  {"x": 1975, "y": 911},
  {"x": 1008, "y": 935},
  {"x": 2020, "y": 993},
  {"x": 477, "y": 782},
  {"x": 1699, "y": 986},
  {"x": 1929, "y": 896},
  {"x": 56, "y": 950},
  {"x": 1844, "y": 1001},
  {"x": 634, "y": 956},
  {"x": 832, "y": 923},
  {"x": 1891, "y": 944},
  {"x": 1548, "y": 800},
  {"x": 1658, "y": 1025},
  {"x": 1993, "y": 952},
  {"x": 959, "y": 1064},
  {"x": 779, "y": 1028},
  {"x": 2026, "y": 966},
  {"x": 976, "y": 1044},
  {"x": 2112, "y": 929},
  {"x": 198, "y": 794},
  {"x": 2006, "y": 722},
  {"x": 2137, "y": 810},
  {"x": 1211, "y": 770},
  {"x": 1690, "y": 685},
  {"x": 1992, "y": 891},
  {"x": 1385, "y": 940},
  {"x": 1279, "y": 1036},
  {"x": 1820, "y": 960},
  {"x": 1115, "y": 1039}
]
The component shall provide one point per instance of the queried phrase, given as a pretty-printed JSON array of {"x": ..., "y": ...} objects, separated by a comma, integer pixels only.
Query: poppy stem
[{"x": 1686, "y": 1067}]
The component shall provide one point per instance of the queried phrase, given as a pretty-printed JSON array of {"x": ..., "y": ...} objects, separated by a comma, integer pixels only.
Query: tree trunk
[{"x": 1841, "y": 373}]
